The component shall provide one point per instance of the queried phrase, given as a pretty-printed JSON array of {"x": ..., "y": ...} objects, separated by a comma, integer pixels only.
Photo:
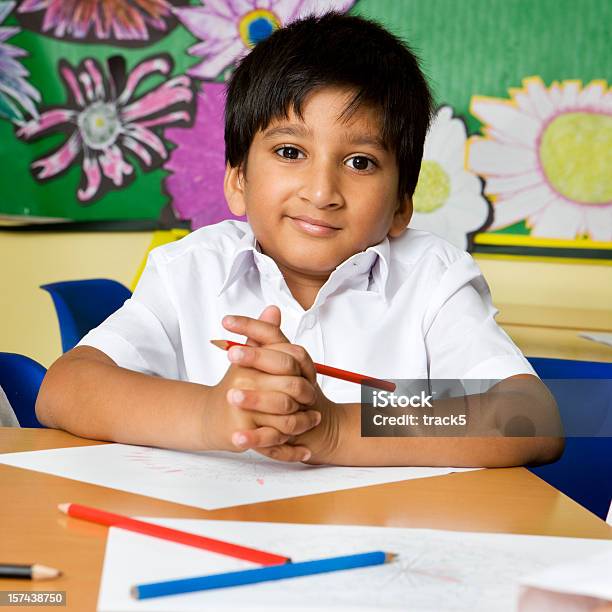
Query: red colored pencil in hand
[
  {"x": 174, "y": 535},
  {"x": 360, "y": 379}
]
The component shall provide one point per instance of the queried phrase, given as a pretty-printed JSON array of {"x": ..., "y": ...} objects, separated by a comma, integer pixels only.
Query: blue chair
[
  {"x": 584, "y": 472},
  {"x": 20, "y": 379},
  {"x": 82, "y": 305}
]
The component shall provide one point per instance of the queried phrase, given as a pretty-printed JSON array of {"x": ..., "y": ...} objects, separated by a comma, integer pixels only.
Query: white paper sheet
[
  {"x": 601, "y": 337},
  {"x": 436, "y": 570},
  {"x": 582, "y": 576},
  {"x": 205, "y": 480}
]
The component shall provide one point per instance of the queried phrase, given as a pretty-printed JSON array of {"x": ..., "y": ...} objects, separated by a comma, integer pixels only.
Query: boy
[{"x": 325, "y": 123}]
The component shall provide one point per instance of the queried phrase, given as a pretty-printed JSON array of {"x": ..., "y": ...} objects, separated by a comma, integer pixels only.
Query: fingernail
[
  {"x": 307, "y": 455},
  {"x": 318, "y": 418},
  {"x": 237, "y": 395},
  {"x": 236, "y": 353},
  {"x": 239, "y": 439},
  {"x": 229, "y": 320}
]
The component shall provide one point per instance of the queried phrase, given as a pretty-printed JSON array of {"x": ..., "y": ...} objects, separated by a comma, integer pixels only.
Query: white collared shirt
[{"x": 408, "y": 307}]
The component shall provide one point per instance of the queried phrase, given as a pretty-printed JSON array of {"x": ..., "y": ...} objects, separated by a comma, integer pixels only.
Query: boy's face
[{"x": 324, "y": 168}]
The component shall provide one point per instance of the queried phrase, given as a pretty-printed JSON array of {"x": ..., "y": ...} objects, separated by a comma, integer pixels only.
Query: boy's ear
[
  {"x": 233, "y": 189},
  {"x": 401, "y": 218}
]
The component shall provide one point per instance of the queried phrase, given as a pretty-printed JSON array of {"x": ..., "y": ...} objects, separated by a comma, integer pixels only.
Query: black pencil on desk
[{"x": 28, "y": 572}]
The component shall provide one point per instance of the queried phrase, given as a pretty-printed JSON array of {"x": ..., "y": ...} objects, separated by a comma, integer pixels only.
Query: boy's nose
[{"x": 321, "y": 187}]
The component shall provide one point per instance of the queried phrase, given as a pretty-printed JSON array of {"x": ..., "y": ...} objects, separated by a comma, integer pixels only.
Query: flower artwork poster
[{"x": 112, "y": 111}]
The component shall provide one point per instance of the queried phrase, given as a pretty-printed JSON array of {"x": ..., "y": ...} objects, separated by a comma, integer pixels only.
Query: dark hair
[{"x": 332, "y": 50}]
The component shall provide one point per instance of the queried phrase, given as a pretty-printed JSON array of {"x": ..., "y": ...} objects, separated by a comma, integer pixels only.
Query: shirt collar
[
  {"x": 242, "y": 259},
  {"x": 375, "y": 260}
]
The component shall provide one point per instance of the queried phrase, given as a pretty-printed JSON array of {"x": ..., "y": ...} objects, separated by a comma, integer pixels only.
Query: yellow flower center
[
  {"x": 433, "y": 188},
  {"x": 576, "y": 156},
  {"x": 257, "y": 25}
]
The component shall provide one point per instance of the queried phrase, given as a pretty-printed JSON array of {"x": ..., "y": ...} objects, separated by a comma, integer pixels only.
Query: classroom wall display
[
  {"x": 197, "y": 164},
  {"x": 97, "y": 95},
  {"x": 98, "y": 21},
  {"x": 448, "y": 199},
  {"x": 546, "y": 154},
  {"x": 103, "y": 120},
  {"x": 112, "y": 110}
]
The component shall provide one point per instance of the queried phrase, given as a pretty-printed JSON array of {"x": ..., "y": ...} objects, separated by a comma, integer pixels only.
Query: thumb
[{"x": 270, "y": 314}]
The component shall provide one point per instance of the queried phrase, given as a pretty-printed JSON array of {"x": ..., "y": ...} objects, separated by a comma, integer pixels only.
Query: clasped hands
[{"x": 269, "y": 399}]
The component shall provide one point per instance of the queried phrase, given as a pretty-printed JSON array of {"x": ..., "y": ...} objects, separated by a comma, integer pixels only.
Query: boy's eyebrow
[
  {"x": 299, "y": 130},
  {"x": 367, "y": 139},
  {"x": 287, "y": 130}
]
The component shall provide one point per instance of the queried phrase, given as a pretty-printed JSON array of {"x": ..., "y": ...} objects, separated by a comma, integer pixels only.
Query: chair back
[
  {"x": 20, "y": 379},
  {"x": 82, "y": 305},
  {"x": 584, "y": 471}
]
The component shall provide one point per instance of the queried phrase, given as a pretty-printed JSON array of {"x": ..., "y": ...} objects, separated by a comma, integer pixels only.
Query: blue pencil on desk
[{"x": 260, "y": 574}]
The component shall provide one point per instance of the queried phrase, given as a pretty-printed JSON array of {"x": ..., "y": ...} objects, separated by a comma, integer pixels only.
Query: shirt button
[{"x": 309, "y": 321}]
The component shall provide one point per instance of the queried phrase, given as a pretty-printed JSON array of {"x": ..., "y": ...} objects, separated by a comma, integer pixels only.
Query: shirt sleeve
[
  {"x": 462, "y": 338},
  {"x": 143, "y": 335}
]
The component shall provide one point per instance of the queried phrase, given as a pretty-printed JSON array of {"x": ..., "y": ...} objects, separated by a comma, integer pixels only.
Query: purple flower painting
[
  {"x": 120, "y": 22},
  {"x": 16, "y": 94},
  {"x": 230, "y": 28},
  {"x": 104, "y": 120},
  {"x": 197, "y": 163}
]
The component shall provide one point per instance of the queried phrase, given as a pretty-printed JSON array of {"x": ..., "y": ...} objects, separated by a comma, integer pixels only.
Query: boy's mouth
[{"x": 314, "y": 227}]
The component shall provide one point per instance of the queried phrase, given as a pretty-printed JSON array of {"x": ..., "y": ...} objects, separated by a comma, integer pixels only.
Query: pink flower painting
[
  {"x": 104, "y": 120},
  {"x": 197, "y": 163},
  {"x": 230, "y": 28},
  {"x": 16, "y": 93},
  {"x": 120, "y": 22}
]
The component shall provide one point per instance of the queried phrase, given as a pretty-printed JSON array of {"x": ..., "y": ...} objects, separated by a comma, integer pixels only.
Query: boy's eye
[
  {"x": 288, "y": 152},
  {"x": 360, "y": 162}
]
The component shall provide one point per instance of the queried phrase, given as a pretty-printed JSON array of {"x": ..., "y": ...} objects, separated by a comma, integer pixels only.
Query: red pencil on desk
[
  {"x": 174, "y": 535},
  {"x": 360, "y": 379}
]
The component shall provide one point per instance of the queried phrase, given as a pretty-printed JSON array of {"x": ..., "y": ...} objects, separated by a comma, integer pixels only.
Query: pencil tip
[
  {"x": 391, "y": 556},
  {"x": 219, "y": 343},
  {"x": 42, "y": 572},
  {"x": 134, "y": 592},
  {"x": 63, "y": 508}
]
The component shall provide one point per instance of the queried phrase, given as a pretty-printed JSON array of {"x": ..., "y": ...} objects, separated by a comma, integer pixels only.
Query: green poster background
[
  {"x": 21, "y": 193},
  {"x": 467, "y": 47},
  {"x": 484, "y": 47}
]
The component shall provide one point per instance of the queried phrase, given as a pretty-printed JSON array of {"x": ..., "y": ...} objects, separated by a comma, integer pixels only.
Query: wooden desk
[
  {"x": 32, "y": 529},
  {"x": 583, "y": 319},
  {"x": 558, "y": 343},
  {"x": 553, "y": 332}
]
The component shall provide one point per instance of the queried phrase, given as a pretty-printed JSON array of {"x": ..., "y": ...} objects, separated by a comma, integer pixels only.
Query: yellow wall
[
  {"x": 550, "y": 283},
  {"x": 28, "y": 323}
]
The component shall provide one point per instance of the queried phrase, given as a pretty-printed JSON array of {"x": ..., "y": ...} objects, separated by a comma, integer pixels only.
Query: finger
[
  {"x": 265, "y": 360},
  {"x": 289, "y": 424},
  {"x": 262, "y": 436},
  {"x": 270, "y": 314},
  {"x": 297, "y": 387},
  {"x": 257, "y": 330},
  {"x": 268, "y": 402},
  {"x": 301, "y": 355},
  {"x": 286, "y": 452}
]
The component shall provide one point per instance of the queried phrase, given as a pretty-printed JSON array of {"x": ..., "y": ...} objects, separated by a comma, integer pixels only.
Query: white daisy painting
[
  {"x": 228, "y": 29},
  {"x": 546, "y": 155},
  {"x": 448, "y": 200}
]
